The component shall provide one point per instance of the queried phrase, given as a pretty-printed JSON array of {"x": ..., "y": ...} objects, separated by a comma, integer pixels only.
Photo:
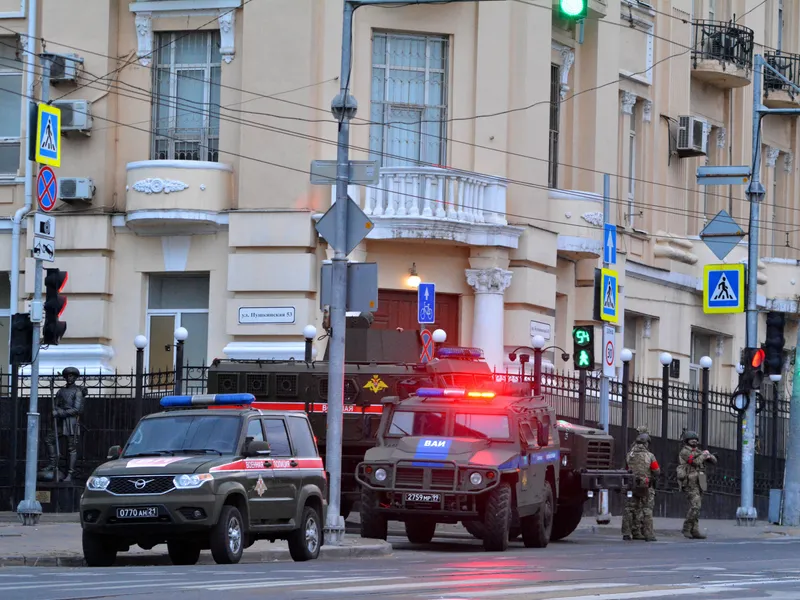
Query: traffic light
[
  {"x": 573, "y": 10},
  {"x": 753, "y": 375},
  {"x": 583, "y": 356},
  {"x": 773, "y": 346},
  {"x": 54, "y": 305},
  {"x": 21, "y": 339}
]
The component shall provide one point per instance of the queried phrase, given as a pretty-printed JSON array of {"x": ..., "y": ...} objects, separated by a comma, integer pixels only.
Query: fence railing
[
  {"x": 787, "y": 65},
  {"x": 722, "y": 41}
]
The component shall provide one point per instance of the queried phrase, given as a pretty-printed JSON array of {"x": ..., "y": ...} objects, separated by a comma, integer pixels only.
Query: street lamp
[
  {"x": 140, "y": 342},
  {"x": 627, "y": 356},
  {"x": 775, "y": 377},
  {"x": 180, "y": 335},
  {"x": 665, "y": 358},
  {"x": 309, "y": 333},
  {"x": 705, "y": 364},
  {"x": 439, "y": 336}
]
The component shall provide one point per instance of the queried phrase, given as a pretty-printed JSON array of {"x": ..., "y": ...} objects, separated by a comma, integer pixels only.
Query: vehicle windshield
[
  {"x": 495, "y": 427},
  {"x": 410, "y": 423},
  {"x": 184, "y": 434}
]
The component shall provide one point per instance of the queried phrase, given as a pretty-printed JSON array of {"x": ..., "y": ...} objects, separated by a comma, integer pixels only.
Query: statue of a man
[{"x": 67, "y": 410}]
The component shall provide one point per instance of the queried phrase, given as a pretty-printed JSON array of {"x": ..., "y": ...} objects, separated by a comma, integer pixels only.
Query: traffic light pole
[
  {"x": 603, "y": 515},
  {"x": 29, "y": 509}
]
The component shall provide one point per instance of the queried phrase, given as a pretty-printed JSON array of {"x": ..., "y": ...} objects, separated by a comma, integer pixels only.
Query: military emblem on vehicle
[
  {"x": 261, "y": 487},
  {"x": 375, "y": 385}
]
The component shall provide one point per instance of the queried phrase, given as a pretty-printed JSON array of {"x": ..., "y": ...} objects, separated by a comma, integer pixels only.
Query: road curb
[{"x": 123, "y": 559}]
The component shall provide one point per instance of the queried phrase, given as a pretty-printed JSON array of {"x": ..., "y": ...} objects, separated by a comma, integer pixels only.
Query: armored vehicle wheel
[
  {"x": 497, "y": 519},
  {"x": 476, "y": 529},
  {"x": 305, "y": 541},
  {"x": 566, "y": 521},
  {"x": 373, "y": 524},
  {"x": 227, "y": 537},
  {"x": 346, "y": 508},
  {"x": 183, "y": 552},
  {"x": 537, "y": 528},
  {"x": 420, "y": 531},
  {"x": 98, "y": 550}
]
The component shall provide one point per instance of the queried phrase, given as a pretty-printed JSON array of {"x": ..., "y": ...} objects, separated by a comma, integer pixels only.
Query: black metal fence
[
  {"x": 787, "y": 65},
  {"x": 725, "y": 42}
]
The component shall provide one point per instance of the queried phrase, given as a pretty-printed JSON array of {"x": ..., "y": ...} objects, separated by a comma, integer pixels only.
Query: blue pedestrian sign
[
  {"x": 609, "y": 304},
  {"x": 610, "y": 244},
  {"x": 723, "y": 289},
  {"x": 426, "y": 303},
  {"x": 48, "y": 135}
]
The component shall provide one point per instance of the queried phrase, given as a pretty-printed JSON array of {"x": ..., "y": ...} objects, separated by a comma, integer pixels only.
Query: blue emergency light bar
[
  {"x": 453, "y": 393},
  {"x": 207, "y": 400},
  {"x": 460, "y": 352}
]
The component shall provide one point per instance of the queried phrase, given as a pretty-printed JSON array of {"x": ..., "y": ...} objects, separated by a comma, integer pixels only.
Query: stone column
[{"x": 488, "y": 323}]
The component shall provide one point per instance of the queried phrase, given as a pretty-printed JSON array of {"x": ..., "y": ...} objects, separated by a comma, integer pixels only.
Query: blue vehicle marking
[
  {"x": 534, "y": 458},
  {"x": 431, "y": 450}
]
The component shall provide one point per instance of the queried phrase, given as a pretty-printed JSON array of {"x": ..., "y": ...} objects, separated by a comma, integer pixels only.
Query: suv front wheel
[
  {"x": 305, "y": 541},
  {"x": 228, "y": 537},
  {"x": 497, "y": 519},
  {"x": 373, "y": 524}
]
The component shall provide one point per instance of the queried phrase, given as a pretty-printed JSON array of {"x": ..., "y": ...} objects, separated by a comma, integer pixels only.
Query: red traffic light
[{"x": 758, "y": 358}]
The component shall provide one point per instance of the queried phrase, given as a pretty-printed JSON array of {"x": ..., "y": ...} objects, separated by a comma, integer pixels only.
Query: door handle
[{"x": 293, "y": 463}]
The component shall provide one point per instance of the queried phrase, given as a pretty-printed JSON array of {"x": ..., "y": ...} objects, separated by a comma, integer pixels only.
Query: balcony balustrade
[
  {"x": 722, "y": 54},
  {"x": 778, "y": 93}
]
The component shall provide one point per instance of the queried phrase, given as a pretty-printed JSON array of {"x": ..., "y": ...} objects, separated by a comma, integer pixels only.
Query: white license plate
[
  {"x": 137, "y": 513},
  {"x": 417, "y": 497}
]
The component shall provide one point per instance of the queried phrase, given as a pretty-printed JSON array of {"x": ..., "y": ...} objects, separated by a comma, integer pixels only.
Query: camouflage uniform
[
  {"x": 631, "y": 524},
  {"x": 691, "y": 478},
  {"x": 640, "y": 506}
]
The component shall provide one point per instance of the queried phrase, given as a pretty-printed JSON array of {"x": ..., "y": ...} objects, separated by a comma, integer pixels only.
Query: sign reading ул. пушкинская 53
[{"x": 251, "y": 315}]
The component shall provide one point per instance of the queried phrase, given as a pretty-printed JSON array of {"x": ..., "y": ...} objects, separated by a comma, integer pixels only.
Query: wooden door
[{"x": 399, "y": 309}]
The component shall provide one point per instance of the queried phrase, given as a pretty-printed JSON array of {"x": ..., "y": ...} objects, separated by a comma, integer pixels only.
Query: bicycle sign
[{"x": 426, "y": 303}]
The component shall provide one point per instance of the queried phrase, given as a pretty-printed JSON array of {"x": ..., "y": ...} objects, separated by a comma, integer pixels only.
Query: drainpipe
[{"x": 30, "y": 76}]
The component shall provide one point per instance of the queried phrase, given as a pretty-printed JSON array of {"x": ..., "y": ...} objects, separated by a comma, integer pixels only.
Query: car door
[
  {"x": 258, "y": 478},
  {"x": 309, "y": 469},
  {"x": 284, "y": 482}
]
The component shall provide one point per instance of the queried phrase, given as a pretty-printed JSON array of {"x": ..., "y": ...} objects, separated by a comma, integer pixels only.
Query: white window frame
[
  {"x": 694, "y": 368},
  {"x": 386, "y": 66},
  {"x": 630, "y": 12},
  {"x": 170, "y": 137},
  {"x": 20, "y": 14},
  {"x": 11, "y": 140},
  {"x": 632, "y": 158}
]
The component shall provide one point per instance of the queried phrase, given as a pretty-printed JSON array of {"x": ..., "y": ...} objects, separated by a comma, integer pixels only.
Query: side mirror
[
  {"x": 257, "y": 448},
  {"x": 114, "y": 452},
  {"x": 543, "y": 435}
]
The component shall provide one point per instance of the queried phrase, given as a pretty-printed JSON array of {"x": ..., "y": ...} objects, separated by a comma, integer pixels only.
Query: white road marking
[
  {"x": 421, "y": 585},
  {"x": 267, "y": 583},
  {"x": 573, "y": 570},
  {"x": 543, "y": 589},
  {"x": 699, "y": 569},
  {"x": 642, "y": 594},
  {"x": 134, "y": 584}
]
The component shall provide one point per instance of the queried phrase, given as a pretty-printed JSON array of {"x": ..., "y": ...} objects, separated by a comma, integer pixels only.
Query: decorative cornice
[
  {"x": 493, "y": 280},
  {"x": 647, "y": 111},
  {"x": 567, "y": 60},
  {"x": 628, "y": 102},
  {"x": 227, "y": 46},
  {"x": 772, "y": 156},
  {"x": 593, "y": 218},
  {"x": 721, "y": 137},
  {"x": 787, "y": 161},
  {"x": 155, "y": 185},
  {"x": 144, "y": 35}
]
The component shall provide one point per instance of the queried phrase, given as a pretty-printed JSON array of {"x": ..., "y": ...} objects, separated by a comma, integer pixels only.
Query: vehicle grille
[
  {"x": 407, "y": 477},
  {"x": 152, "y": 485},
  {"x": 443, "y": 479},
  {"x": 415, "y": 478},
  {"x": 598, "y": 454}
]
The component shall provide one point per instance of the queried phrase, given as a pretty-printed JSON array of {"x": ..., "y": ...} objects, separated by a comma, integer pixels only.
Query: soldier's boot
[
  {"x": 650, "y": 538},
  {"x": 626, "y": 537},
  {"x": 696, "y": 533},
  {"x": 48, "y": 473},
  {"x": 687, "y": 530},
  {"x": 72, "y": 461}
]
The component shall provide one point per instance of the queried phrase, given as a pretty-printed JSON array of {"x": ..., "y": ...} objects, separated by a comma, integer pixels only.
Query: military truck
[
  {"x": 379, "y": 363},
  {"x": 490, "y": 459}
]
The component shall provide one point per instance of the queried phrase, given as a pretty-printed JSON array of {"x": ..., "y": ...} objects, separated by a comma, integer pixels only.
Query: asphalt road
[{"x": 585, "y": 567}]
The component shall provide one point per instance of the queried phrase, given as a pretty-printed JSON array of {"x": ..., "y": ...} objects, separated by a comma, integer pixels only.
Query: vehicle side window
[
  {"x": 277, "y": 438},
  {"x": 302, "y": 437},
  {"x": 528, "y": 434},
  {"x": 254, "y": 430},
  {"x": 547, "y": 424}
]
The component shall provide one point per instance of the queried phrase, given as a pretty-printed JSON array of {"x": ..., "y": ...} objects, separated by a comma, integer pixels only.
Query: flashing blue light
[
  {"x": 463, "y": 353},
  {"x": 207, "y": 400},
  {"x": 454, "y": 393}
]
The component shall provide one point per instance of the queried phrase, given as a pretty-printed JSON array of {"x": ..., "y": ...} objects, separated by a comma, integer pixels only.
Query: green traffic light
[
  {"x": 581, "y": 336},
  {"x": 572, "y": 8},
  {"x": 583, "y": 359}
]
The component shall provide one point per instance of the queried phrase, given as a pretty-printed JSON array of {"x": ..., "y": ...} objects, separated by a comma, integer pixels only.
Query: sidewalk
[{"x": 52, "y": 543}]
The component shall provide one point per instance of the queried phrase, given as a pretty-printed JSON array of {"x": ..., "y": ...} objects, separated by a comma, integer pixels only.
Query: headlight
[
  {"x": 97, "y": 484},
  {"x": 380, "y": 474},
  {"x": 475, "y": 479},
  {"x": 189, "y": 482},
  {"x": 564, "y": 460}
]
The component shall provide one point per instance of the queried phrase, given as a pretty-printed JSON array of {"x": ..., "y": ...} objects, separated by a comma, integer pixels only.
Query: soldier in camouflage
[
  {"x": 630, "y": 521},
  {"x": 692, "y": 480},
  {"x": 640, "y": 505}
]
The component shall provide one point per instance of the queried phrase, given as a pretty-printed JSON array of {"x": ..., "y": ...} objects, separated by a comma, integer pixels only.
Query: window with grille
[
  {"x": 10, "y": 105},
  {"x": 555, "y": 119},
  {"x": 186, "y": 92},
  {"x": 409, "y": 99}
]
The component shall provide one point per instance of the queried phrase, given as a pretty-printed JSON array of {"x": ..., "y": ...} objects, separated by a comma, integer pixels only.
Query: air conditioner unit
[
  {"x": 63, "y": 67},
  {"x": 76, "y": 116},
  {"x": 71, "y": 189},
  {"x": 692, "y": 138}
]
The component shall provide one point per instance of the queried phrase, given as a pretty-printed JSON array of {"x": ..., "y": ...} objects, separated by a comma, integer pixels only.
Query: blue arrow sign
[
  {"x": 610, "y": 244},
  {"x": 426, "y": 303}
]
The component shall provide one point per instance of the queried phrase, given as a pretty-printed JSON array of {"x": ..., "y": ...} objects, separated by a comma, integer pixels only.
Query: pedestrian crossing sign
[
  {"x": 723, "y": 289},
  {"x": 609, "y": 298},
  {"x": 48, "y": 135}
]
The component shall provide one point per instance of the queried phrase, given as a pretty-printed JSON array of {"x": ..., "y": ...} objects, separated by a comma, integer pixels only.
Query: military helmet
[
  {"x": 690, "y": 435},
  {"x": 642, "y": 429},
  {"x": 71, "y": 371},
  {"x": 643, "y": 438}
]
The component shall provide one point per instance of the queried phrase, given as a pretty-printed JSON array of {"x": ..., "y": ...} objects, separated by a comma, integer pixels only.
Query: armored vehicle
[
  {"x": 491, "y": 460},
  {"x": 196, "y": 479},
  {"x": 297, "y": 385}
]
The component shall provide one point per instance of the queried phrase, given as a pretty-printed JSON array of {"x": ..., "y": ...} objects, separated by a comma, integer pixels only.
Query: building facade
[{"x": 186, "y": 198}]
